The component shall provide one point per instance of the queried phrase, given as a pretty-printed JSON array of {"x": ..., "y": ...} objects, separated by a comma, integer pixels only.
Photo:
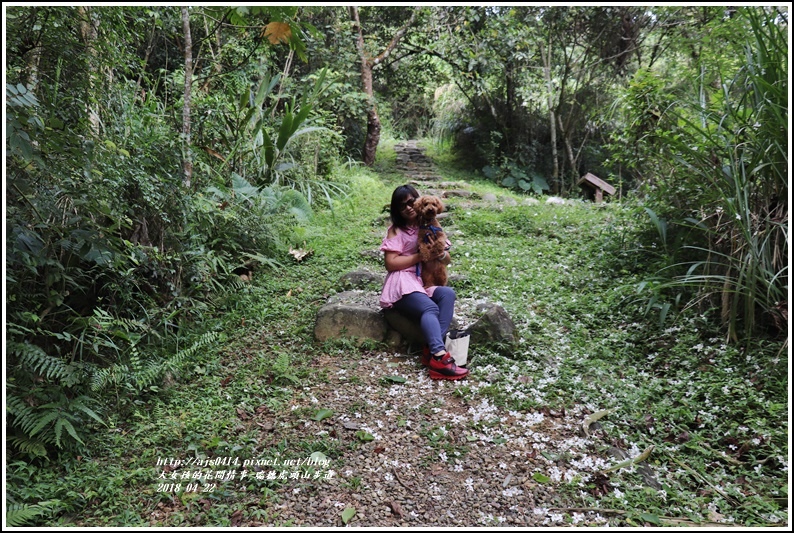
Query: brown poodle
[{"x": 434, "y": 272}]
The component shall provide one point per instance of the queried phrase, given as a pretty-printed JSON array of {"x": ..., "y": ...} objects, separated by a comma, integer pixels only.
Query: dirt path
[{"x": 408, "y": 451}]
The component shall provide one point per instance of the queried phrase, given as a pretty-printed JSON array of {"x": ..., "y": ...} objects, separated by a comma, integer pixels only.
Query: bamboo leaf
[
  {"x": 590, "y": 419},
  {"x": 651, "y": 518},
  {"x": 322, "y": 414},
  {"x": 268, "y": 150},
  {"x": 250, "y": 114},
  {"x": 540, "y": 478},
  {"x": 631, "y": 461},
  {"x": 265, "y": 88},
  {"x": 285, "y": 131},
  {"x": 348, "y": 514},
  {"x": 663, "y": 313},
  {"x": 318, "y": 87},
  {"x": 300, "y": 117}
]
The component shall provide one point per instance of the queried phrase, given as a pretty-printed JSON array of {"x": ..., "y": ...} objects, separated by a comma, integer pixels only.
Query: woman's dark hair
[{"x": 399, "y": 195}]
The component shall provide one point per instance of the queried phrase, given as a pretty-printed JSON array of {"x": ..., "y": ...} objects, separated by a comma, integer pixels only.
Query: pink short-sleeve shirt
[{"x": 401, "y": 282}]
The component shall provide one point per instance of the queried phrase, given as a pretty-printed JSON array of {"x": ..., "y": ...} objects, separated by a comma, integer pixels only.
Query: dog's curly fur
[{"x": 434, "y": 272}]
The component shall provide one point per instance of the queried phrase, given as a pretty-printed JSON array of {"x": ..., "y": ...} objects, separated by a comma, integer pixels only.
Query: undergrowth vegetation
[{"x": 715, "y": 413}]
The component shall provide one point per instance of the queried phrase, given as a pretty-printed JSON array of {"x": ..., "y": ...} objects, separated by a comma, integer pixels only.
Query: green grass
[{"x": 567, "y": 275}]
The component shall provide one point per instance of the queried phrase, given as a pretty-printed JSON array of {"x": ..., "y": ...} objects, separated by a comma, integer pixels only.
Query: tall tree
[
  {"x": 368, "y": 64},
  {"x": 545, "y": 53},
  {"x": 89, "y": 27},
  {"x": 187, "y": 162}
]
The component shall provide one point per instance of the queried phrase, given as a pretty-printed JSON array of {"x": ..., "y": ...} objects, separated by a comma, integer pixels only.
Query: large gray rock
[
  {"x": 489, "y": 197},
  {"x": 357, "y": 314},
  {"x": 362, "y": 279},
  {"x": 408, "y": 329},
  {"x": 494, "y": 327},
  {"x": 351, "y": 314},
  {"x": 459, "y": 193}
]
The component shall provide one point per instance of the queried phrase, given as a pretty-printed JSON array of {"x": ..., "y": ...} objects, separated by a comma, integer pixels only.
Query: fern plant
[
  {"x": 136, "y": 376},
  {"x": 20, "y": 514},
  {"x": 62, "y": 422},
  {"x": 52, "y": 402}
]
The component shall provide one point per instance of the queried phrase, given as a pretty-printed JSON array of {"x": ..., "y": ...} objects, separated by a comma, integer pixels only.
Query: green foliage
[
  {"x": 81, "y": 293},
  {"x": 505, "y": 94},
  {"x": 38, "y": 423},
  {"x": 645, "y": 107},
  {"x": 449, "y": 118},
  {"x": 513, "y": 176},
  {"x": 135, "y": 375},
  {"x": 731, "y": 188},
  {"x": 240, "y": 225},
  {"x": 51, "y": 368},
  {"x": 245, "y": 15},
  {"x": 24, "y": 105},
  {"x": 564, "y": 273},
  {"x": 20, "y": 514},
  {"x": 45, "y": 424},
  {"x": 251, "y": 140}
]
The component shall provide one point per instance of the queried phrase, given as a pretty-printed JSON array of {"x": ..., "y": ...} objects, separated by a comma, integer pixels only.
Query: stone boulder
[
  {"x": 494, "y": 327},
  {"x": 357, "y": 314},
  {"x": 362, "y": 280},
  {"x": 351, "y": 314},
  {"x": 408, "y": 329},
  {"x": 489, "y": 197},
  {"x": 457, "y": 193}
]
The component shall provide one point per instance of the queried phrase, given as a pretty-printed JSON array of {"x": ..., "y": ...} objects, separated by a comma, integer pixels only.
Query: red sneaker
[
  {"x": 425, "y": 355},
  {"x": 445, "y": 368}
]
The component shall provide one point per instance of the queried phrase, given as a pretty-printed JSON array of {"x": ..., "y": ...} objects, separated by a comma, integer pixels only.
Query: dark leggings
[{"x": 434, "y": 314}]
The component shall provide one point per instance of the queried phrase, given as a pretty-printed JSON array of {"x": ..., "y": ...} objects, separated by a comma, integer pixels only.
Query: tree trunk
[
  {"x": 89, "y": 29},
  {"x": 573, "y": 158},
  {"x": 552, "y": 120},
  {"x": 187, "y": 161},
  {"x": 368, "y": 64},
  {"x": 33, "y": 67},
  {"x": 569, "y": 150},
  {"x": 149, "y": 50},
  {"x": 373, "y": 120},
  {"x": 511, "y": 118},
  {"x": 217, "y": 68}
]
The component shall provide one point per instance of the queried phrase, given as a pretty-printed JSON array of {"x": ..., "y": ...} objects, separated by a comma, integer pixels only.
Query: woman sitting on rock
[{"x": 432, "y": 306}]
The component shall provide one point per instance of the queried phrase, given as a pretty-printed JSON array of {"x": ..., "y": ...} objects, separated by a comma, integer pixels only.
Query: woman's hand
[{"x": 443, "y": 257}]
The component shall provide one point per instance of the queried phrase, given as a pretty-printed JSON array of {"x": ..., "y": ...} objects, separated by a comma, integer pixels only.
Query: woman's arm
[{"x": 395, "y": 261}]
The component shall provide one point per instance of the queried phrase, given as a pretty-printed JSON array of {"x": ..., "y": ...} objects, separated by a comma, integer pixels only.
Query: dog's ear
[
  {"x": 437, "y": 204},
  {"x": 420, "y": 205}
]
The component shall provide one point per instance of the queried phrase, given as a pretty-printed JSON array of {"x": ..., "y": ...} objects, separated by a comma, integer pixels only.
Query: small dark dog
[{"x": 434, "y": 272}]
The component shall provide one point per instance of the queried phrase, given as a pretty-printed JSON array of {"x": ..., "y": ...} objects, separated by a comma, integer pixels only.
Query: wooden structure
[{"x": 594, "y": 187}]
